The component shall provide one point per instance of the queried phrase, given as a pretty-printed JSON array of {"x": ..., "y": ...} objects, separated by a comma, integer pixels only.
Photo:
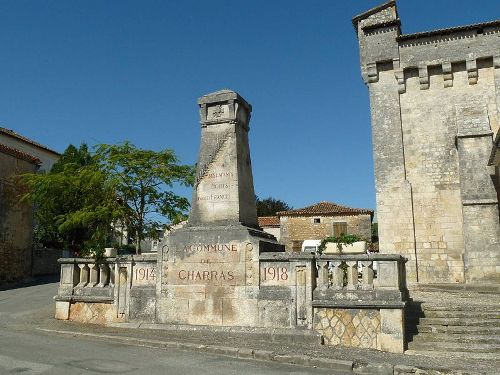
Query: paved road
[{"x": 28, "y": 351}]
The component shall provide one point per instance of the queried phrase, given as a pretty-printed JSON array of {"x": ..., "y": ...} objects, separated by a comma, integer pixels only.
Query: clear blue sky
[{"x": 102, "y": 71}]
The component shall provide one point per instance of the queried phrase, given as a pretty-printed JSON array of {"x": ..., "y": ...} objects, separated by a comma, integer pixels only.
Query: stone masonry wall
[
  {"x": 300, "y": 228},
  {"x": 16, "y": 222},
  {"x": 394, "y": 203},
  {"x": 431, "y": 120},
  {"x": 435, "y": 105},
  {"x": 357, "y": 328}
]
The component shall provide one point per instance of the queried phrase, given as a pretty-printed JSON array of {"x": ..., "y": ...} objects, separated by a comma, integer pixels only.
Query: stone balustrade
[
  {"x": 86, "y": 279},
  {"x": 360, "y": 271},
  {"x": 104, "y": 290},
  {"x": 363, "y": 279},
  {"x": 359, "y": 300},
  {"x": 95, "y": 275}
]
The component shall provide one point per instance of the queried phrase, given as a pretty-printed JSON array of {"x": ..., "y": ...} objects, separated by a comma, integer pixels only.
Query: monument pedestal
[{"x": 210, "y": 275}]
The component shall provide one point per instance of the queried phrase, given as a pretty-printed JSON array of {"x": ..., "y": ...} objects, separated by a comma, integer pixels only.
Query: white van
[{"x": 311, "y": 245}]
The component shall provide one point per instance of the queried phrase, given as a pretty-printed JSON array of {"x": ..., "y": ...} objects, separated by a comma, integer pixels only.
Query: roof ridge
[
  {"x": 325, "y": 207},
  {"x": 13, "y": 134}
]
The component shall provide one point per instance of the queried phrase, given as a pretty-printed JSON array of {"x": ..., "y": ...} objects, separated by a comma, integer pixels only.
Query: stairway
[{"x": 455, "y": 322}]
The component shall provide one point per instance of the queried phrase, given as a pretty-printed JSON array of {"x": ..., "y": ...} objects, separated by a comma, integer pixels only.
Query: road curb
[
  {"x": 242, "y": 353},
  {"x": 382, "y": 368}
]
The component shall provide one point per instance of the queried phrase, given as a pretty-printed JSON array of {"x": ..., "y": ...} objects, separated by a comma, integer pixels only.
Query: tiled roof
[
  {"x": 19, "y": 154},
  {"x": 269, "y": 221},
  {"x": 325, "y": 208},
  {"x": 13, "y": 134}
]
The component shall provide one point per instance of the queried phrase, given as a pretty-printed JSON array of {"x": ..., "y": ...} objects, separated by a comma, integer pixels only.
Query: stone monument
[
  {"x": 222, "y": 270},
  {"x": 209, "y": 270}
]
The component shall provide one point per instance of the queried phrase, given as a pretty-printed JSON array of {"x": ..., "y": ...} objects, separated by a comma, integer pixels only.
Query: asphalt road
[{"x": 28, "y": 351}]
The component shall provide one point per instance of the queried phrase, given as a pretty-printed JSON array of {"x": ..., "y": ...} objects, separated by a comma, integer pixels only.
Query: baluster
[
  {"x": 103, "y": 275},
  {"x": 112, "y": 275},
  {"x": 84, "y": 275},
  {"x": 94, "y": 275},
  {"x": 352, "y": 274},
  {"x": 337, "y": 274},
  {"x": 323, "y": 281},
  {"x": 367, "y": 274}
]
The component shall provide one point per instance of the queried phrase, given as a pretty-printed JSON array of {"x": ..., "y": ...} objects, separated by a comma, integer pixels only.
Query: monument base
[{"x": 210, "y": 276}]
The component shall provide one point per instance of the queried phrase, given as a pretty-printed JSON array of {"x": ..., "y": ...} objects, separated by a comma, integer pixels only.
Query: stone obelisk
[
  {"x": 209, "y": 269},
  {"x": 224, "y": 192}
]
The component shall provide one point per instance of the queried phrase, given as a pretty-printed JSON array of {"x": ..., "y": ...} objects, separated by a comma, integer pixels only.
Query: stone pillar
[
  {"x": 69, "y": 278},
  {"x": 224, "y": 190},
  {"x": 391, "y": 337},
  {"x": 304, "y": 273},
  {"x": 479, "y": 198}
]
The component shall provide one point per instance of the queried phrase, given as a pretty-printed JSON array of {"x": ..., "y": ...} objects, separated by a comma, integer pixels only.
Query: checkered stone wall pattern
[{"x": 357, "y": 328}]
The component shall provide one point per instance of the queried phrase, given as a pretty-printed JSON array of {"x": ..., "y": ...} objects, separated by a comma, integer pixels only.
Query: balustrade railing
[
  {"x": 87, "y": 273},
  {"x": 360, "y": 271}
]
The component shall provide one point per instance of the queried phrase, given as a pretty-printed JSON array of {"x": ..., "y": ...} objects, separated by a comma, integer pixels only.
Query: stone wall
[
  {"x": 16, "y": 221},
  {"x": 357, "y": 328},
  {"x": 275, "y": 231},
  {"x": 435, "y": 105},
  {"x": 45, "y": 261},
  {"x": 300, "y": 228}
]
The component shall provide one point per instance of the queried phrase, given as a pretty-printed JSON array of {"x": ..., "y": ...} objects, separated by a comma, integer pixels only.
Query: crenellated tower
[{"x": 435, "y": 99}]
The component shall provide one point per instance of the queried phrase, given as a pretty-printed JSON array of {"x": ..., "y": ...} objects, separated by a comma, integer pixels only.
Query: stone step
[
  {"x": 461, "y": 314},
  {"x": 459, "y": 322},
  {"x": 462, "y": 338},
  {"x": 494, "y": 357},
  {"x": 455, "y": 347},
  {"x": 491, "y": 307},
  {"x": 477, "y": 330},
  {"x": 493, "y": 289}
]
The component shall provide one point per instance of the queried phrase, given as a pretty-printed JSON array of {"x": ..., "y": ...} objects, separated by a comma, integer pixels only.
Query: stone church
[{"x": 435, "y": 102}]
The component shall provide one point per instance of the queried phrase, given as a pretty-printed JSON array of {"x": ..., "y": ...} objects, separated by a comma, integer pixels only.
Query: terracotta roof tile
[
  {"x": 325, "y": 208},
  {"x": 269, "y": 221},
  {"x": 19, "y": 154},
  {"x": 13, "y": 134}
]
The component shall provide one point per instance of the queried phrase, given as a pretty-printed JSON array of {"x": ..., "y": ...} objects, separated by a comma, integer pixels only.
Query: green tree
[
  {"x": 143, "y": 180},
  {"x": 74, "y": 202},
  {"x": 269, "y": 206}
]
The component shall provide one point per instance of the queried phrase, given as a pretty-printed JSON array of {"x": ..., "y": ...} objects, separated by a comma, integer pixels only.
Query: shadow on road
[{"x": 39, "y": 280}]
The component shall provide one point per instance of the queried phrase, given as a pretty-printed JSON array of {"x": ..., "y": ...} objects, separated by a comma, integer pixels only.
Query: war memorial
[
  {"x": 222, "y": 270},
  {"x": 435, "y": 107}
]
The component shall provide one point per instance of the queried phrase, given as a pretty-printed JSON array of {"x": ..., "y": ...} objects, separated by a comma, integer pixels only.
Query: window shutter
[{"x": 339, "y": 228}]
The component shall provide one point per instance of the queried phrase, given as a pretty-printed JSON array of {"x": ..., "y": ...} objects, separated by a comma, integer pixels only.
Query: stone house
[
  {"x": 21, "y": 143},
  {"x": 20, "y": 154},
  {"x": 435, "y": 101},
  {"x": 16, "y": 218},
  {"x": 271, "y": 225},
  {"x": 322, "y": 220}
]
